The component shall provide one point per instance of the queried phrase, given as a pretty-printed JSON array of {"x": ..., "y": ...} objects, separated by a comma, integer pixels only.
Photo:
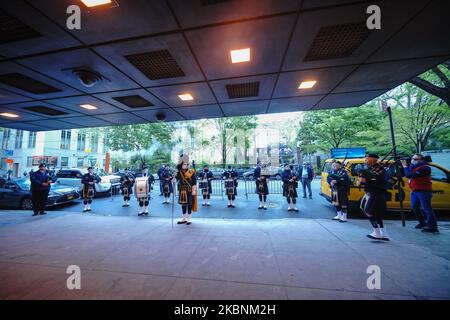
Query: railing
[{"x": 275, "y": 187}]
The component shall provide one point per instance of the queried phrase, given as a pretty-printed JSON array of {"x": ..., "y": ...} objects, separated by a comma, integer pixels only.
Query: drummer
[{"x": 205, "y": 184}]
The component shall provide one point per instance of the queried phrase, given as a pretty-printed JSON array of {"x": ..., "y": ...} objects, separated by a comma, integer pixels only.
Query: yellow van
[{"x": 439, "y": 175}]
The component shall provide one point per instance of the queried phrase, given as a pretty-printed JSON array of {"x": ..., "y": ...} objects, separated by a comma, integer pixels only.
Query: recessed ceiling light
[
  {"x": 307, "y": 84},
  {"x": 88, "y": 106},
  {"x": 186, "y": 97},
  {"x": 94, "y": 3},
  {"x": 9, "y": 115},
  {"x": 241, "y": 55}
]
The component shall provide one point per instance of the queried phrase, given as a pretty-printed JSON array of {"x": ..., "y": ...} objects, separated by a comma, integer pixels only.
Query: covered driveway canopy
[{"x": 172, "y": 59}]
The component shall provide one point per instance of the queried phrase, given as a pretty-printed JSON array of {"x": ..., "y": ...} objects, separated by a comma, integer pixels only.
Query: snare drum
[
  {"x": 229, "y": 184},
  {"x": 203, "y": 184},
  {"x": 142, "y": 187}
]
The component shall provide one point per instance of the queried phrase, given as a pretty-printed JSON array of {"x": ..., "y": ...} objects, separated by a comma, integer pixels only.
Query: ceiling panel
[
  {"x": 327, "y": 79},
  {"x": 87, "y": 121},
  {"x": 197, "y": 13},
  {"x": 109, "y": 97},
  {"x": 23, "y": 116},
  {"x": 267, "y": 40},
  {"x": 10, "y": 68},
  {"x": 200, "y": 112},
  {"x": 395, "y": 14},
  {"x": 122, "y": 118},
  {"x": 174, "y": 43},
  {"x": 293, "y": 104},
  {"x": 24, "y": 126},
  {"x": 244, "y": 108},
  {"x": 74, "y": 103},
  {"x": 150, "y": 115},
  {"x": 68, "y": 111},
  {"x": 56, "y": 63},
  {"x": 408, "y": 43},
  {"x": 265, "y": 85},
  {"x": 7, "y": 97},
  {"x": 54, "y": 124},
  {"x": 49, "y": 36},
  {"x": 352, "y": 99},
  {"x": 129, "y": 19},
  {"x": 169, "y": 94},
  {"x": 385, "y": 75}
]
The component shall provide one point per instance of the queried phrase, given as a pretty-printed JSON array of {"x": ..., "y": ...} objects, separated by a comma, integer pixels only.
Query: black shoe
[
  {"x": 232, "y": 205},
  {"x": 35, "y": 214},
  {"x": 181, "y": 222},
  {"x": 124, "y": 205},
  {"x": 141, "y": 214},
  {"x": 304, "y": 197},
  {"x": 310, "y": 197},
  {"x": 430, "y": 230},
  {"x": 43, "y": 212},
  {"x": 229, "y": 206},
  {"x": 188, "y": 223},
  {"x": 146, "y": 213},
  {"x": 203, "y": 204},
  {"x": 420, "y": 226},
  {"x": 265, "y": 208},
  {"x": 260, "y": 208},
  {"x": 89, "y": 209},
  {"x": 289, "y": 209},
  {"x": 296, "y": 210},
  {"x": 85, "y": 210}
]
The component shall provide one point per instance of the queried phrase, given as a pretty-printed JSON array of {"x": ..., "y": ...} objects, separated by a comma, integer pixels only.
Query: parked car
[
  {"x": 15, "y": 193},
  {"x": 72, "y": 177},
  {"x": 275, "y": 173}
]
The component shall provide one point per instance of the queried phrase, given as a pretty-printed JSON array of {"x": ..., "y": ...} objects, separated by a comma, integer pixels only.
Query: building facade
[{"x": 22, "y": 151}]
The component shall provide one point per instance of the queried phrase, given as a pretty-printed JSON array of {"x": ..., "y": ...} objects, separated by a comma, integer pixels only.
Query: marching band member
[
  {"x": 261, "y": 186},
  {"x": 89, "y": 180},
  {"x": 187, "y": 188},
  {"x": 126, "y": 185},
  {"x": 167, "y": 184},
  {"x": 339, "y": 182},
  {"x": 207, "y": 176},
  {"x": 231, "y": 184},
  {"x": 374, "y": 202},
  {"x": 290, "y": 185},
  {"x": 143, "y": 187}
]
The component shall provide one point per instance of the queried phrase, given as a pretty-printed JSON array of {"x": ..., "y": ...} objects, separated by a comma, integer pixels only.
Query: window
[
  {"x": 438, "y": 174},
  {"x": 94, "y": 143},
  {"x": 32, "y": 140},
  {"x": 5, "y": 141},
  {"x": 65, "y": 139},
  {"x": 80, "y": 162},
  {"x": 64, "y": 161},
  {"x": 29, "y": 162},
  {"x": 19, "y": 139},
  {"x": 81, "y": 145}
]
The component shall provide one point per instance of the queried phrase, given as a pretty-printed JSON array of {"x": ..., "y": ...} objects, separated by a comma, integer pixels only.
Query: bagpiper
[
  {"x": 187, "y": 189},
  {"x": 166, "y": 177},
  {"x": 290, "y": 185},
  {"x": 205, "y": 184},
  {"x": 262, "y": 188},
  {"x": 142, "y": 189},
  {"x": 339, "y": 183},
  {"x": 374, "y": 180},
  {"x": 126, "y": 186},
  {"x": 230, "y": 176},
  {"x": 89, "y": 180}
]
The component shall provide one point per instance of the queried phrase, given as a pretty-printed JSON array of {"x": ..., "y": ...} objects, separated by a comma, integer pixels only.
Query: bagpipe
[{"x": 126, "y": 184}]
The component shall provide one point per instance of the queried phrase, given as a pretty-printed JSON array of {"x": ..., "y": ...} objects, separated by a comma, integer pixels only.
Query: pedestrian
[
  {"x": 419, "y": 175},
  {"x": 40, "y": 187},
  {"x": 306, "y": 173}
]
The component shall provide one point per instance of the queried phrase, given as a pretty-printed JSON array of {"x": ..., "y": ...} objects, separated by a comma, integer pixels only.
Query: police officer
[
  {"x": 206, "y": 175},
  {"x": 40, "y": 187}
]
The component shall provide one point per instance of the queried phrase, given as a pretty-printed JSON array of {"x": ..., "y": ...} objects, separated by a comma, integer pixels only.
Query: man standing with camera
[
  {"x": 40, "y": 187},
  {"x": 419, "y": 175}
]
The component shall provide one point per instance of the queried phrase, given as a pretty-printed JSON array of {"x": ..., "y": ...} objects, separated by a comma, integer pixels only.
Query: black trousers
[
  {"x": 187, "y": 208},
  {"x": 261, "y": 197},
  {"x": 39, "y": 199},
  {"x": 294, "y": 200},
  {"x": 231, "y": 197}
]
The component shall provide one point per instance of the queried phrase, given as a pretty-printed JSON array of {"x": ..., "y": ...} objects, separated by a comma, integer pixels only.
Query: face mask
[
  {"x": 206, "y": 170},
  {"x": 414, "y": 161}
]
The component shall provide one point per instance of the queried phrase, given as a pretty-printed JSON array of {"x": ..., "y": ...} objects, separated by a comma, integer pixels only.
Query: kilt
[
  {"x": 375, "y": 204},
  {"x": 265, "y": 188},
  {"x": 286, "y": 190},
  {"x": 339, "y": 197}
]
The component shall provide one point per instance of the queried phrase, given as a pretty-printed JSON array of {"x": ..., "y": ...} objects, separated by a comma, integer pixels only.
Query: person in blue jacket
[{"x": 40, "y": 187}]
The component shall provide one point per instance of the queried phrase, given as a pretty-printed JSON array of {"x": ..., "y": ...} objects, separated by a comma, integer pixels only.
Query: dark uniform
[
  {"x": 39, "y": 192},
  {"x": 89, "y": 189},
  {"x": 262, "y": 188},
  {"x": 206, "y": 175},
  {"x": 339, "y": 192},
  {"x": 187, "y": 182},
  {"x": 144, "y": 202},
  {"x": 231, "y": 192},
  {"x": 126, "y": 185},
  {"x": 290, "y": 188},
  {"x": 166, "y": 180}
]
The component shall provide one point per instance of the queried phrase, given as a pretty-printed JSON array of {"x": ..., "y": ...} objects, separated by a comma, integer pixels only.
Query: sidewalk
[{"x": 126, "y": 257}]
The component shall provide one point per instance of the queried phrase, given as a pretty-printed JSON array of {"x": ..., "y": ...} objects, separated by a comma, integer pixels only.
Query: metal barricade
[{"x": 275, "y": 187}]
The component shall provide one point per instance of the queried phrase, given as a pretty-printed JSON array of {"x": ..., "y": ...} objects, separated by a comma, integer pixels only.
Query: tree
[{"x": 436, "y": 82}]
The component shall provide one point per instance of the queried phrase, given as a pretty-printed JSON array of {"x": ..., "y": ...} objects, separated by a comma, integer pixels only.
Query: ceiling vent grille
[
  {"x": 211, "y": 2},
  {"x": 156, "y": 65},
  {"x": 243, "y": 90},
  {"x": 339, "y": 41},
  {"x": 134, "y": 101},
  {"x": 26, "y": 83},
  {"x": 45, "y": 110},
  {"x": 12, "y": 29}
]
